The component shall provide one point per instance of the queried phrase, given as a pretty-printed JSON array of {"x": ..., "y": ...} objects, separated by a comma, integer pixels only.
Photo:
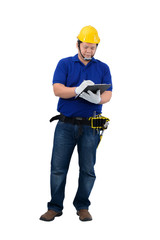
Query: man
[{"x": 71, "y": 77}]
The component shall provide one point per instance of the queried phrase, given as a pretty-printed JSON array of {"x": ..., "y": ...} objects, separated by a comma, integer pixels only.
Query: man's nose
[{"x": 88, "y": 50}]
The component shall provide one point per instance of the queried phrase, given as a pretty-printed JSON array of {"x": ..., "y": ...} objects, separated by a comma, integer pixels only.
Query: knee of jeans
[
  {"x": 58, "y": 171},
  {"x": 88, "y": 172}
]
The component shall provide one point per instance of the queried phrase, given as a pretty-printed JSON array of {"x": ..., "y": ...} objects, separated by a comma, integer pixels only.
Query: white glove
[
  {"x": 83, "y": 85},
  {"x": 91, "y": 97}
]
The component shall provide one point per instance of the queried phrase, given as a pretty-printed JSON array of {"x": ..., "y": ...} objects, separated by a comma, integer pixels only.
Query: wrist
[
  {"x": 100, "y": 100},
  {"x": 75, "y": 90}
]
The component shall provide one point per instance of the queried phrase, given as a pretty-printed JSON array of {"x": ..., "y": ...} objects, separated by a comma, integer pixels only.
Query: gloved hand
[
  {"x": 91, "y": 97},
  {"x": 83, "y": 85}
]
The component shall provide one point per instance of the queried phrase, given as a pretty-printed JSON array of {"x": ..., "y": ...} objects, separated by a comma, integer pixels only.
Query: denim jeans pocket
[{"x": 60, "y": 122}]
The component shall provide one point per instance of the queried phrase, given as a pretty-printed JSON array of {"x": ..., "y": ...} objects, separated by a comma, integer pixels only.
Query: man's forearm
[
  {"x": 63, "y": 92},
  {"x": 105, "y": 97}
]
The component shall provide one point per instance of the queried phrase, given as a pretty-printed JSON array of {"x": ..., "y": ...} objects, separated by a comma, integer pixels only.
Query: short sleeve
[
  {"x": 107, "y": 78},
  {"x": 60, "y": 74}
]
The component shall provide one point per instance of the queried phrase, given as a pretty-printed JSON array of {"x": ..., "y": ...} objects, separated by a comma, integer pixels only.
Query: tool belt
[{"x": 97, "y": 122}]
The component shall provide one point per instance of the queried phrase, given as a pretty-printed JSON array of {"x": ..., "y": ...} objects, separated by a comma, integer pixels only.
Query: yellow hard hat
[{"x": 89, "y": 34}]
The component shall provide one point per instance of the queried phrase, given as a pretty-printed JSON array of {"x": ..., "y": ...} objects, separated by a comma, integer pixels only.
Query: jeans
[{"x": 66, "y": 137}]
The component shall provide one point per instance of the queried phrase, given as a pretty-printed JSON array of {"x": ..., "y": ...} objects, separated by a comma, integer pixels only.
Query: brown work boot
[
  {"x": 50, "y": 215},
  {"x": 84, "y": 215}
]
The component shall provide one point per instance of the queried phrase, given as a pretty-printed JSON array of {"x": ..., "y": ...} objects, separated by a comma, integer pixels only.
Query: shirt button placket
[{"x": 84, "y": 74}]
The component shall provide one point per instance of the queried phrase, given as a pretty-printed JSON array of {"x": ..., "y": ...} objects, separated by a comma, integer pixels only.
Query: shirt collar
[{"x": 76, "y": 59}]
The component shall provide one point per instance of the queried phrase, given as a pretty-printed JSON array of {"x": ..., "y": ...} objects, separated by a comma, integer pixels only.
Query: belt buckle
[{"x": 79, "y": 118}]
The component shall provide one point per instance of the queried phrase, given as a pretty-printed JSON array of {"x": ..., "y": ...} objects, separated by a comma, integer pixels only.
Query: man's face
[{"x": 88, "y": 49}]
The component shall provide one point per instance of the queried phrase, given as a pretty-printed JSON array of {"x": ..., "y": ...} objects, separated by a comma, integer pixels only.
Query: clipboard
[{"x": 94, "y": 88}]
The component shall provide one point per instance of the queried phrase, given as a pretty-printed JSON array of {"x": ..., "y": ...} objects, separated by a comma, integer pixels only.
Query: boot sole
[
  {"x": 46, "y": 220},
  {"x": 85, "y": 219}
]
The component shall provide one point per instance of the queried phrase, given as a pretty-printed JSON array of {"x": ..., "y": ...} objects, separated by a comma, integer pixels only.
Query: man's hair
[{"x": 79, "y": 42}]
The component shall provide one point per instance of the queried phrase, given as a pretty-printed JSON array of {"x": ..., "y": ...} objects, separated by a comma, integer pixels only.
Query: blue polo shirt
[{"x": 72, "y": 72}]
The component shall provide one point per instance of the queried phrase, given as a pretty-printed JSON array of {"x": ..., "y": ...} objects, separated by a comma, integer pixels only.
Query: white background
[{"x": 35, "y": 35}]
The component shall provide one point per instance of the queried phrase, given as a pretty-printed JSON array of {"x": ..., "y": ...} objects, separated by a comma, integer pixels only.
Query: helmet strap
[{"x": 86, "y": 59}]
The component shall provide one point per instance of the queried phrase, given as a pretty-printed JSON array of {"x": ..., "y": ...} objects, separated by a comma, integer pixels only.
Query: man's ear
[{"x": 76, "y": 44}]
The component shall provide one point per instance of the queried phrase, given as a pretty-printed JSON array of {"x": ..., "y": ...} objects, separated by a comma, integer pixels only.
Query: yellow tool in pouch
[{"x": 99, "y": 123}]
